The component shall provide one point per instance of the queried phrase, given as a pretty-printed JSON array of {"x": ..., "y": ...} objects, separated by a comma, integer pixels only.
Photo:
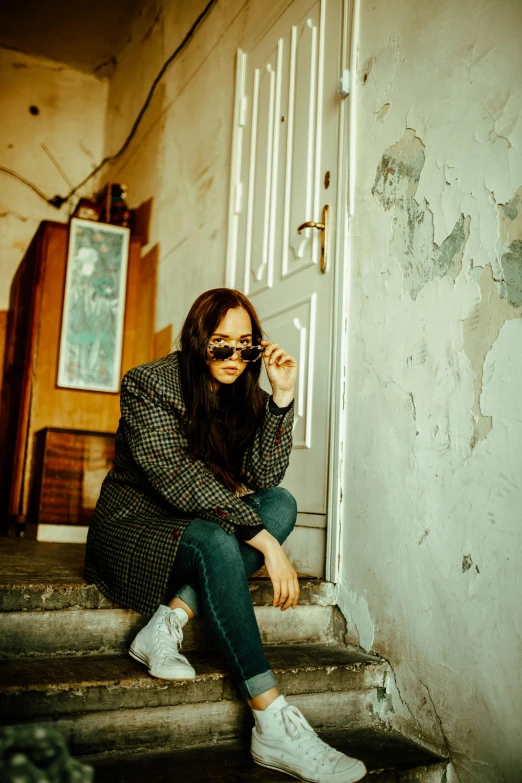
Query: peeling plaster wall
[
  {"x": 70, "y": 123},
  {"x": 432, "y": 540}
]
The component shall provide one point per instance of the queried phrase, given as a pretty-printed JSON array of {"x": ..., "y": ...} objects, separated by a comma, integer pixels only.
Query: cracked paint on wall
[
  {"x": 511, "y": 280},
  {"x": 479, "y": 331},
  {"x": 509, "y": 275},
  {"x": 511, "y": 209},
  {"x": 500, "y": 301},
  {"x": 439, "y": 171},
  {"x": 412, "y": 246}
]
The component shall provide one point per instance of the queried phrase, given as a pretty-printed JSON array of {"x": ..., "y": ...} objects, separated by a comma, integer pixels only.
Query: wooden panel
[
  {"x": 31, "y": 401},
  {"x": 163, "y": 342},
  {"x": 51, "y": 406},
  {"x": 68, "y": 472},
  {"x": 24, "y": 308},
  {"x": 145, "y": 311},
  {"x": 3, "y": 335},
  {"x": 141, "y": 227}
]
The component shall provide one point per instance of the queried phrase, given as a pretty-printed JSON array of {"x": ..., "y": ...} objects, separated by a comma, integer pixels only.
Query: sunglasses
[{"x": 250, "y": 353}]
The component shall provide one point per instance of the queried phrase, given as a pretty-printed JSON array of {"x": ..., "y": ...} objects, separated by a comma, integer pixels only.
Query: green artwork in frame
[{"x": 94, "y": 307}]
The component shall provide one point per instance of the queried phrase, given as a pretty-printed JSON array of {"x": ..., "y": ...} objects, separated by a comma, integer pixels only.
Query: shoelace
[
  {"x": 167, "y": 632},
  {"x": 297, "y": 726}
]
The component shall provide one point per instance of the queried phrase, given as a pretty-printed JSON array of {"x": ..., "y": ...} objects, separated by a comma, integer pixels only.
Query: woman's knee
[
  {"x": 278, "y": 510},
  {"x": 286, "y": 501},
  {"x": 211, "y": 542}
]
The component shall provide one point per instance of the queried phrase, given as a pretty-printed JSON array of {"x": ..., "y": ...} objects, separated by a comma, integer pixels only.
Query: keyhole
[{"x": 327, "y": 180}]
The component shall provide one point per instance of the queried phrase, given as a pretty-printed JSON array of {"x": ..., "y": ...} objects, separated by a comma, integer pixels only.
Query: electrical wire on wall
[{"x": 58, "y": 201}]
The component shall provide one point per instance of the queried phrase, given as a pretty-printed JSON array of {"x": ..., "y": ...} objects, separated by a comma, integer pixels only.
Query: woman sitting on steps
[{"x": 192, "y": 504}]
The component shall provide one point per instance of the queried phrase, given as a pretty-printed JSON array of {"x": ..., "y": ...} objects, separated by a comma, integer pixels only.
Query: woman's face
[{"x": 234, "y": 329}]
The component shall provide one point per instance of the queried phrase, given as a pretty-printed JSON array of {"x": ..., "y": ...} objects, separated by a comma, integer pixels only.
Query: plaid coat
[{"x": 156, "y": 488}]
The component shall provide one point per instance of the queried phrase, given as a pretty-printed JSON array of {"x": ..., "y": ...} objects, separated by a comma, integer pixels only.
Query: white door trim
[
  {"x": 340, "y": 328},
  {"x": 340, "y": 312}
]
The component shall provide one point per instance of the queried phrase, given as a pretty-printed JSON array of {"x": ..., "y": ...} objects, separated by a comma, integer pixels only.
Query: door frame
[{"x": 337, "y": 418}]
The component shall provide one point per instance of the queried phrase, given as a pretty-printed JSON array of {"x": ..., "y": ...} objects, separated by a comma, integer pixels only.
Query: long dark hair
[{"x": 218, "y": 425}]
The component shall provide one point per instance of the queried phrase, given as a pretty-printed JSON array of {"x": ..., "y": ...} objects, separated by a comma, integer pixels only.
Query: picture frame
[{"x": 91, "y": 339}]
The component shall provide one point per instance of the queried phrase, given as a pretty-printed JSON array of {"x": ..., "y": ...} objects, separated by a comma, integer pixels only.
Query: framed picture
[{"x": 93, "y": 308}]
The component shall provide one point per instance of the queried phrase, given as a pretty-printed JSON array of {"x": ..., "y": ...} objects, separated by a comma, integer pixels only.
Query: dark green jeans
[{"x": 212, "y": 569}]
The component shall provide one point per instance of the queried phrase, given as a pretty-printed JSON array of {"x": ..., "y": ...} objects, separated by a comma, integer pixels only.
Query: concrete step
[
  {"x": 71, "y": 632},
  {"x": 231, "y": 763},
  {"x": 64, "y": 661},
  {"x": 434, "y": 773},
  {"x": 47, "y": 608},
  {"x": 31, "y": 592},
  {"x": 62, "y": 686},
  {"x": 36, "y": 576},
  {"x": 111, "y": 705}
]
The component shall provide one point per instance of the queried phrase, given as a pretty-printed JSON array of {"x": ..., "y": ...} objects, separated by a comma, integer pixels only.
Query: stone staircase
[{"x": 63, "y": 653}]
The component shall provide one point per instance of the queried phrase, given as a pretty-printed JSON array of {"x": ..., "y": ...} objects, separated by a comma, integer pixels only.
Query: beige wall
[
  {"x": 181, "y": 154},
  {"x": 433, "y": 510},
  {"x": 70, "y": 123}
]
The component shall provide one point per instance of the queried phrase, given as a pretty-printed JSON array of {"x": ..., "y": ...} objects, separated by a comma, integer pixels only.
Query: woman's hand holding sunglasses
[{"x": 281, "y": 369}]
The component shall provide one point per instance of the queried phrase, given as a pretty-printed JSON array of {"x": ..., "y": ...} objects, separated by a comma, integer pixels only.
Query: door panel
[
  {"x": 294, "y": 328},
  {"x": 286, "y": 139},
  {"x": 302, "y": 145},
  {"x": 258, "y": 241}
]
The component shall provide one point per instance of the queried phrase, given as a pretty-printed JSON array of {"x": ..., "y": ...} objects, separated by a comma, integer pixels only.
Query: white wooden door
[{"x": 285, "y": 164}]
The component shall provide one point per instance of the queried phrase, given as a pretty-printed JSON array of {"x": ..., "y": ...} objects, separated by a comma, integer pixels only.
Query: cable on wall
[
  {"x": 58, "y": 201},
  {"x": 53, "y": 201}
]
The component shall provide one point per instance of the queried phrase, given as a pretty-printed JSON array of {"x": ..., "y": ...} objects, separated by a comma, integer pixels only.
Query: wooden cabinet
[
  {"x": 68, "y": 470},
  {"x": 31, "y": 401}
]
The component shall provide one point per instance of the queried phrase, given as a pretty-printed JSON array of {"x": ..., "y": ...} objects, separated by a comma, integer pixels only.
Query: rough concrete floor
[
  {"x": 231, "y": 763},
  {"x": 37, "y": 687},
  {"x": 36, "y": 575},
  {"x": 24, "y": 562}
]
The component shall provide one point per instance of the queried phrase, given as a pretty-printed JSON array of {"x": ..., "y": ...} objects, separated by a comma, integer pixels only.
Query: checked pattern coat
[{"x": 155, "y": 488}]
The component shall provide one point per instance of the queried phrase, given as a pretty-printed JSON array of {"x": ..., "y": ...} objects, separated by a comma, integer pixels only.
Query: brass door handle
[
  {"x": 310, "y": 224},
  {"x": 323, "y": 227}
]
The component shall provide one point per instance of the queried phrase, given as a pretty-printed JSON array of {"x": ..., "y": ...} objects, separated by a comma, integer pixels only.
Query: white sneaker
[
  {"x": 156, "y": 645},
  {"x": 283, "y": 739}
]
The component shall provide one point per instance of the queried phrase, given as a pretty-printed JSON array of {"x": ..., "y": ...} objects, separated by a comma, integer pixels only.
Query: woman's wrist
[
  {"x": 282, "y": 398},
  {"x": 264, "y": 542}
]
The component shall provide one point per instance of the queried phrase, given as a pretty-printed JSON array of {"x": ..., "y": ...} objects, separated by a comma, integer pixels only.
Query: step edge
[
  {"x": 93, "y": 758},
  {"x": 66, "y": 722},
  {"x": 81, "y": 731},
  {"x": 379, "y": 668},
  {"x": 12, "y": 598},
  {"x": 138, "y": 683},
  {"x": 110, "y": 631}
]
